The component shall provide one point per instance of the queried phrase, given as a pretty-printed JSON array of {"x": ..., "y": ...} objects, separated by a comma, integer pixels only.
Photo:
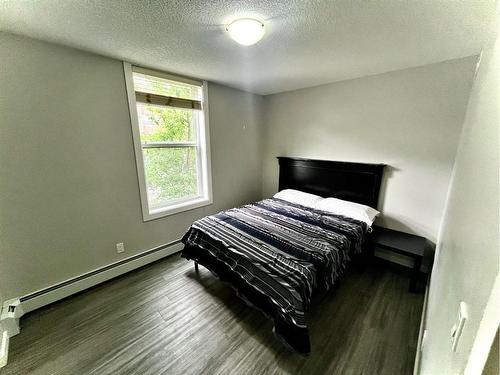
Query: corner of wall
[{"x": 451, "y": 276}]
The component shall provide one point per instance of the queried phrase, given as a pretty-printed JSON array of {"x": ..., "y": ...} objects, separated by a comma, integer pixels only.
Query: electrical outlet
[{"x": 120, "y": 248}]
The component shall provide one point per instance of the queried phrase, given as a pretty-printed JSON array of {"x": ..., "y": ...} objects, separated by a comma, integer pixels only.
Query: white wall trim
[
  {"x": 74, "y": 285},
  {"x": 203, "y": 153},
  {"x": 139, "y": 162}
]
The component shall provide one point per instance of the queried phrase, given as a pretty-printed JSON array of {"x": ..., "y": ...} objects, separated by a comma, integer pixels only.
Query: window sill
[{"x": 177, "y": 208}]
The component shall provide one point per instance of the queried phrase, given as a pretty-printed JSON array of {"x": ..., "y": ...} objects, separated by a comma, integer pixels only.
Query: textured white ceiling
[{"x": 308, "y": 42}]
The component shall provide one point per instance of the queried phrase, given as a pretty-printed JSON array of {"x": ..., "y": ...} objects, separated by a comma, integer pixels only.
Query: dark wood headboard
[{"x": 355, "y": 182}]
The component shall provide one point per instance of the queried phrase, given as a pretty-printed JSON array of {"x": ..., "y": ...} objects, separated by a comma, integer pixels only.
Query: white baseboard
[{"x": 62, "y": 290}]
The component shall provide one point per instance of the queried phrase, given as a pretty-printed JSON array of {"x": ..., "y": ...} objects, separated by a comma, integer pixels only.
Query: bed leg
[{"x": 196, "y": 267}]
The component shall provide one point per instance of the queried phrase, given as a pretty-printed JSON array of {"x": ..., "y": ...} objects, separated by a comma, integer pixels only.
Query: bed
[{"x": 276, "y": 254}]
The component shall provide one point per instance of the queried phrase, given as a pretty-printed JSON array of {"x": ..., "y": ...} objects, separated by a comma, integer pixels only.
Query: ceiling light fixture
[{"x": 246, "y": 31}]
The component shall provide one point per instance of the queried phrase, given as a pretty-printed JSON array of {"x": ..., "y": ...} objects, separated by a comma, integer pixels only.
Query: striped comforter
[{"x": 275, "y": 254}]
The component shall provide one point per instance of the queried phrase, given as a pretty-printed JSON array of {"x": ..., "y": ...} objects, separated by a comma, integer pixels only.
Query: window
[{"x": 170, "y": 129}]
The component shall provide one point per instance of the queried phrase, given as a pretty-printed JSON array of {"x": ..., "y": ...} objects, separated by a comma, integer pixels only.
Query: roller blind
[{"x": 163, "y": 91}]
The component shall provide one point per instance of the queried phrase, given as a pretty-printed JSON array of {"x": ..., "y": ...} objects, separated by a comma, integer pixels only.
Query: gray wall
[
  {"x": 467, "y": 258},
  {"x": 68, "y": 179},
  {"x": 408, "y": 119}
]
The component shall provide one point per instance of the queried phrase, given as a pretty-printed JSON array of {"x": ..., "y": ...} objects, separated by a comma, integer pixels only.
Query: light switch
[
  {"x": 458, "y": 327},
  {"x": 424, "y": 340}
]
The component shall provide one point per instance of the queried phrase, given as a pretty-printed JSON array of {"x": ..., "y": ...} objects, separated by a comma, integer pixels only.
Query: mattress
[{"x": 276, "y": 254}]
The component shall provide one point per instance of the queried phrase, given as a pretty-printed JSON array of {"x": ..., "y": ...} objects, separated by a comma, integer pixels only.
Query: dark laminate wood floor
[{"x": 163, "y": 319}]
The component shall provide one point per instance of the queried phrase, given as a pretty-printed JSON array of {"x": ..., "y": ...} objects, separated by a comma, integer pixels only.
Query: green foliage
[
  {"x": 171, "y": 173},
  {"x": 171, "y": 124}
]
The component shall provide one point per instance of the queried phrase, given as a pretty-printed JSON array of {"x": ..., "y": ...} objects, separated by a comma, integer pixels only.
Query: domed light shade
[{"x": 246, "y": 31}]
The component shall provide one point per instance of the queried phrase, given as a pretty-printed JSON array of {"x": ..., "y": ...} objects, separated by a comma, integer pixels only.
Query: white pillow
[
  {"x": 298, "y": 197},
  {"x": 346, "y": 208}
]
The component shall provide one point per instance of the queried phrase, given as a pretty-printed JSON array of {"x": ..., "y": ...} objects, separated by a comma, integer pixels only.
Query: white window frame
[{"x": 205, "y": 170}]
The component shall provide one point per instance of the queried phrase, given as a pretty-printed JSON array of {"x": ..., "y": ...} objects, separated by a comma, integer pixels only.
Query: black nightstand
[{"x": 401, "y": 243}]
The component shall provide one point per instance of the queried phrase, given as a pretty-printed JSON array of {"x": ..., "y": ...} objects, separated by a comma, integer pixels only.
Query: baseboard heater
[{"x": 77, "y": 284}]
